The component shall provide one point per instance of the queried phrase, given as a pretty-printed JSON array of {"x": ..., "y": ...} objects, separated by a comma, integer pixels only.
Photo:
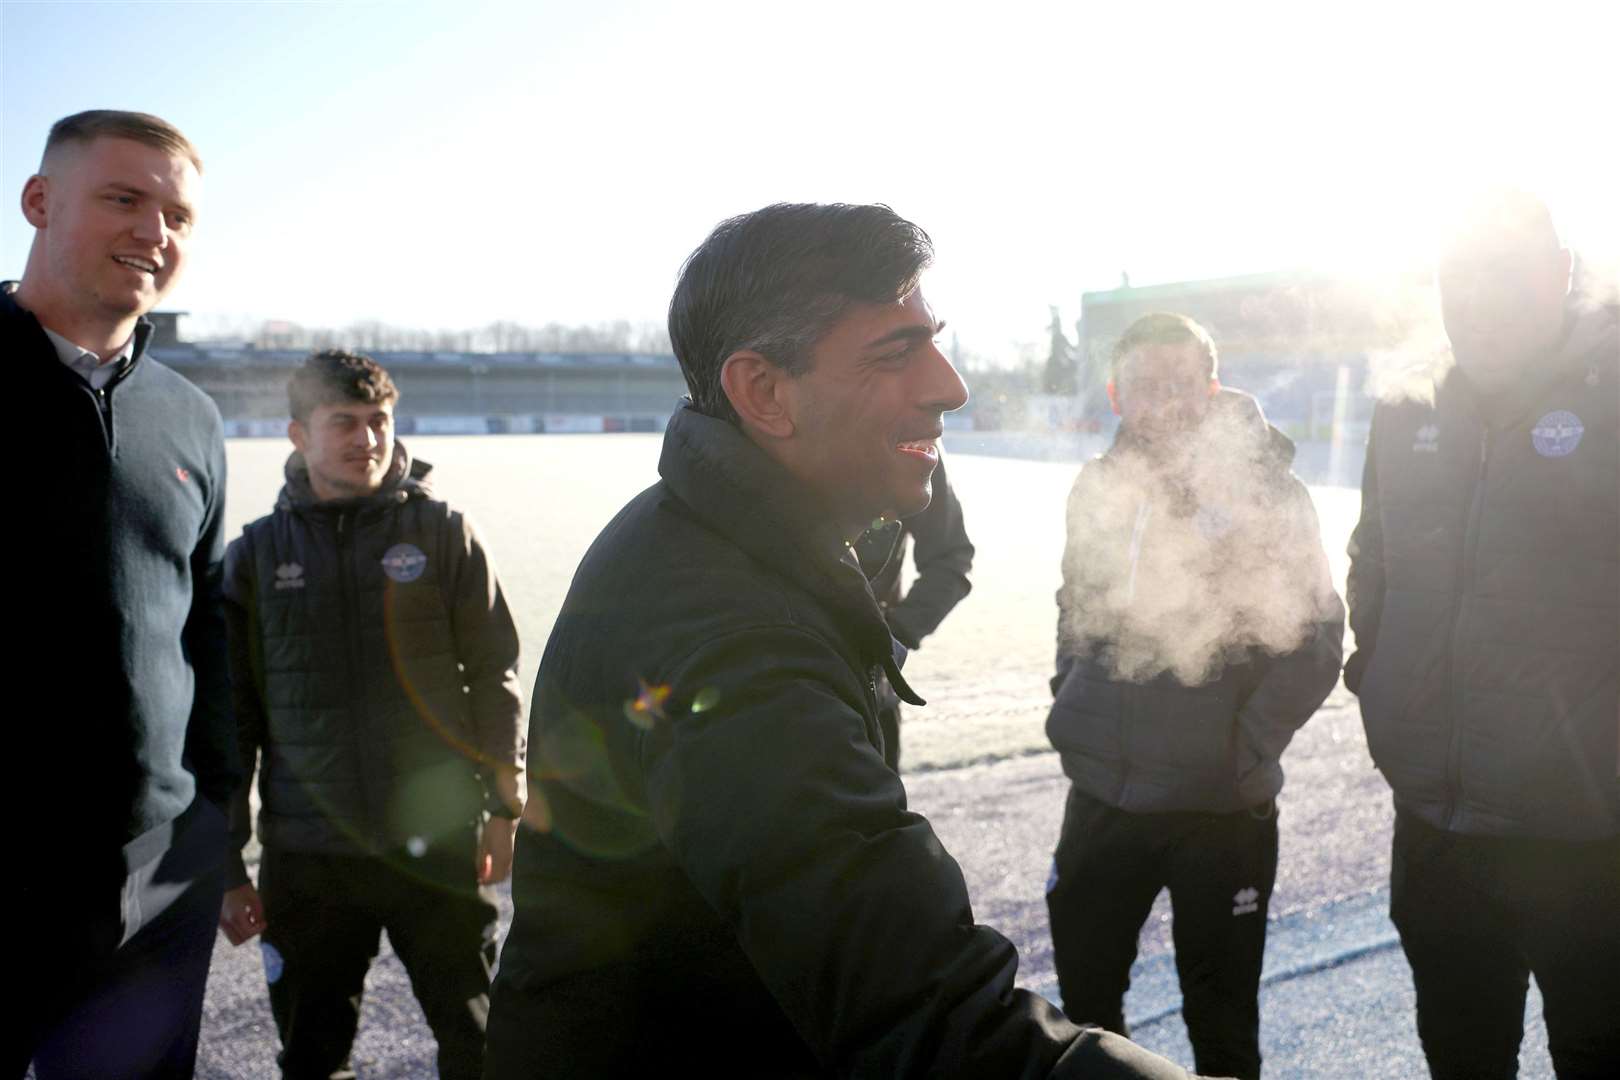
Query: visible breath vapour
[{"x": 1183, "y": 558}]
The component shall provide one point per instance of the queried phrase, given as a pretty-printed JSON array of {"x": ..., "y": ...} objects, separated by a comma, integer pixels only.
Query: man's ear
[
  {"x": 1214, "y": 386},
  {"x": 1113, "y": 396},
  {"x": 298, "y": 434},
  {"x": 35, "y": 196},
  {"x": 755, "y": 388}
]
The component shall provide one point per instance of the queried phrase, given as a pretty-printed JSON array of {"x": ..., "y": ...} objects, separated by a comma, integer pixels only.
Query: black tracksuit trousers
[
  {"x": 1477, "y": 916},
  {"x": 323, "y": 916},
  {"x": 1219, "y": 868}
]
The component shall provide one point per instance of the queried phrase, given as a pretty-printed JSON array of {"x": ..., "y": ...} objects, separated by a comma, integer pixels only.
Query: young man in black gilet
[{"x": 374, "y": 671}]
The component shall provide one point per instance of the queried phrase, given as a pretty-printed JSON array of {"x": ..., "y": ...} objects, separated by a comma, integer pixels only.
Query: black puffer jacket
[
  {"x": 1197, "y": 623},
  {"x": 374, "y": 662},
  {"x": 731, "y": 882},
  {"x": 1485, "y": 598}
]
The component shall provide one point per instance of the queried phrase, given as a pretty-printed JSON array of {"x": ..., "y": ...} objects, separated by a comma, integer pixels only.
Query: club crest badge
[
  {"x": 404, "y": 563},
  {"x": 1557, "y": 434}
]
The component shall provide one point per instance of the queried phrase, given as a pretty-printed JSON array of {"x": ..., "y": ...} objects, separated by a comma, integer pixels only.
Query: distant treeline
[{"x": 618, "y": 336}]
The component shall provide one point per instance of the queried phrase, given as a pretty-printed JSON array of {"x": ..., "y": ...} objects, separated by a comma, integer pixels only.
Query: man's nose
[
  {"x": 151, "y": 227},
  {"x": 942, "y": 389}
]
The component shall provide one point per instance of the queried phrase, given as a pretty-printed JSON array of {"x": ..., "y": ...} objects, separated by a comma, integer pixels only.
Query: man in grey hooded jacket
[{"x": 1198, "y": 629}]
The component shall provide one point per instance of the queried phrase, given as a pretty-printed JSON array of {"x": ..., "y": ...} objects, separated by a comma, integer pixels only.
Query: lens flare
[{"x": 647, "y": 708}]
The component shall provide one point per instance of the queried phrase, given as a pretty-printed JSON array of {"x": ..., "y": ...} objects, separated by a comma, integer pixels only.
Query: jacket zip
[
  {"x": 104, "y": 407},
  {"x": 357, "y": 703},
  {"x": 103, "y": 398},
  {"x": 1129, "y": 694},
  {"x": 1465, "y": 582}
]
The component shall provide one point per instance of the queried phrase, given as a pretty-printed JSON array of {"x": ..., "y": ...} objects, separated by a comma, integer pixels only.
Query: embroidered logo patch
[
  {"x": 289, "y": 576},
  {"x": 404, "y": 563},
  {"x": 1428, "y": 440},
  {"x": 1557, "y": 434},
  {"x": 1246, "y": 901},
  {"x": 182, "y": 473}
]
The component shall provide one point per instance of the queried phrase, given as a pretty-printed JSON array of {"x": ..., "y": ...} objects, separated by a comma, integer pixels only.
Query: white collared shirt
[{"x": 90, "y": 366}]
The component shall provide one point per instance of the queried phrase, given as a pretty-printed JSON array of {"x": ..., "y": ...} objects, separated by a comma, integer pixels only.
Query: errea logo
[
  {"x": 1246, "y": 901},
  {"x": 289, "y": 576},
  {"x": 1428, "y": 440}
]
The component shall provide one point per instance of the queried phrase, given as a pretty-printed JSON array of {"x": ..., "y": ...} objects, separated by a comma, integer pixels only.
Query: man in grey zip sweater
[{"x": 119, "y": 794}]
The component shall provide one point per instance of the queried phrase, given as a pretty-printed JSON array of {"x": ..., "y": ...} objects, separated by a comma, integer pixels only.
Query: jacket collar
[
  {"x": 407, "y": 479},
  {"x": 1235, "y": 430},
  {"x": 27, "y": 323},
  {"x": 1591, "y": 334},
  {"x": 739, "y": 491}
]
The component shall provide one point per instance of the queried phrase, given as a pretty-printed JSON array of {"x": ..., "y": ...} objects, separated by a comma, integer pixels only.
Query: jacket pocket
[
  {"x": 1191, "y": 730},
  {"x": 1086, "y": 716}
]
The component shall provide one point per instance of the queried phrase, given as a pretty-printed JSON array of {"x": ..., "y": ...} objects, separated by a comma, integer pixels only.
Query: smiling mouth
[
  {"x": 926, "y": 449},
  {"x": 145, "y": 266}
]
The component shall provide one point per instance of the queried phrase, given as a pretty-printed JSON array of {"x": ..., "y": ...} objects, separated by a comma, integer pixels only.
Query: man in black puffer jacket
[
  {"x": 1197, "y": 630},
  {"x": 374, "y": 669},
  {"x": 1485, "y": 598},
  {"x": 729, "y": 883}
]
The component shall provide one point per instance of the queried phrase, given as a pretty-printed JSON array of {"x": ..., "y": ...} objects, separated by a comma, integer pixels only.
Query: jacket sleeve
[
  {"x": 210, "y": 733},
  {"x": 944, "y": 557},
  {"x": 1296, "y": 683},
  {"x": 780, "y": 811},
  {"x": 243, "y": 638},
  {"x": 487, "y": 648},
  {"x": 1070, "y": 598},
  {"x": 1364, "y": 588}
]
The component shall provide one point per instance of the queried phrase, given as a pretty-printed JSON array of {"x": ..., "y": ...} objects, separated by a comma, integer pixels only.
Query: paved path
[
  {"x": 1337, "y": 996},
  {"x": 1337, "y": 1001}
]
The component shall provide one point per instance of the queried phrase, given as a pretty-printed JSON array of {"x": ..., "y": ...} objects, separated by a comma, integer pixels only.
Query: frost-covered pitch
[{"x": 1337, "y": 996}]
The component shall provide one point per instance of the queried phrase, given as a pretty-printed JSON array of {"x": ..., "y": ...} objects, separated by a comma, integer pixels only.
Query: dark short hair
[
  {"x": 1163, "y": 328},
  {"x": 777, "y": 280},
  {"x": 93, "y": 124},
  {"x": 335, "y": 376}
]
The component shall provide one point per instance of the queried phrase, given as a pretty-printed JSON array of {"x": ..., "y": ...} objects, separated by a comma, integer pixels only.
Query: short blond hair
[{"x": 86, "y": 127}]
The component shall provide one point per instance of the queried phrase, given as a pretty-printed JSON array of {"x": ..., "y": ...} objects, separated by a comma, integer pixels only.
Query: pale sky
[{"x": 446, "y": 164}]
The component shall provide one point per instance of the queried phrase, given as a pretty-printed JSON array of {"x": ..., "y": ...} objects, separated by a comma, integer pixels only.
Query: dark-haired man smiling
[{"x": 729, "y": 883}]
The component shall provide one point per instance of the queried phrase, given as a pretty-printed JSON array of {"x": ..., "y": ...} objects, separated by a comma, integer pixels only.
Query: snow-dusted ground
[{"x": 1337, "y": 1000}]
